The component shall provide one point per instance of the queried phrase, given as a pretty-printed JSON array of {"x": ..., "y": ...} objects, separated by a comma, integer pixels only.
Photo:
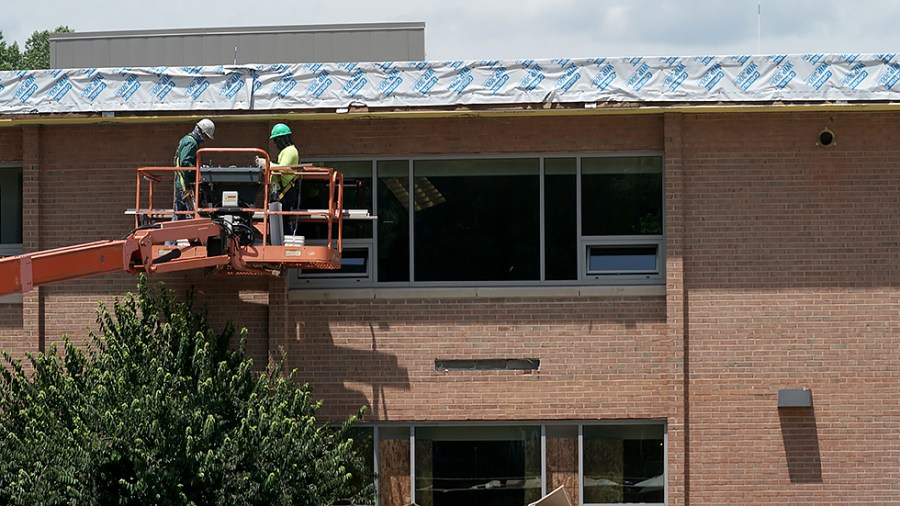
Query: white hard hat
[{"x": 207, "y": 127}]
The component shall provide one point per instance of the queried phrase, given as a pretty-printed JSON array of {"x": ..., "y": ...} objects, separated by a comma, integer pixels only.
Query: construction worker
[
  {"x": 186, "y": 156},
  {"x": 283, "y": 185}
]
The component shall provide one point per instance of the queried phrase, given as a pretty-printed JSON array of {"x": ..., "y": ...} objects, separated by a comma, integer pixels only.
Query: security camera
[{"x": 826, "y": 138}]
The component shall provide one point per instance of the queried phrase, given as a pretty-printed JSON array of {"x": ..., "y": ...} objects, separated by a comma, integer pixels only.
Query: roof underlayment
[{"x": 583, "y": 82}]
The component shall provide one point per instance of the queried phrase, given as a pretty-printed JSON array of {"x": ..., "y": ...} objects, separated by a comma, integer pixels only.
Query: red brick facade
[{"x": 782, "y": 270}]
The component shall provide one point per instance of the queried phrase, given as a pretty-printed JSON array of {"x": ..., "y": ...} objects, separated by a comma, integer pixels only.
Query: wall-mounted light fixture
[{"x": 794, "y": 398}]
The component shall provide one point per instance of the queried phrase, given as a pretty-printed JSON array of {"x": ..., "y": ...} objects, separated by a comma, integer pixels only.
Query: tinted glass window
[
  {"x": 632, "y": 259},
  {"x": 560, "y": 219},
  {"x": 621, "y": 196},
  {"x": 624, "y": 464},
  {"x": 357, "y": 195},
  {"x": 479, "y": 222},
  {"x": 393, "y": 219},
  {"x": 10, "y": 206},
  {"x": 478, "y": 466}
]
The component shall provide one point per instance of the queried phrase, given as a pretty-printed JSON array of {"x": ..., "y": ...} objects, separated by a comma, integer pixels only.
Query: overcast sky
[{"x": 515, "y": 29}]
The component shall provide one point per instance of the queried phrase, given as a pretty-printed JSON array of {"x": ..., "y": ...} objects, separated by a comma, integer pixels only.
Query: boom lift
[{"x": 232, "y": 229}]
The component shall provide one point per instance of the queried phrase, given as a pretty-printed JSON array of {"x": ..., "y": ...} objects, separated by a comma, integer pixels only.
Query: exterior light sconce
[
  {"x": 826, "y": 138},
  {"x": 794, "y": 398}
]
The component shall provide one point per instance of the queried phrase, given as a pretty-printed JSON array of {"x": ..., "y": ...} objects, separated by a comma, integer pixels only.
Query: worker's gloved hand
[{"x": 261, "y": 162}]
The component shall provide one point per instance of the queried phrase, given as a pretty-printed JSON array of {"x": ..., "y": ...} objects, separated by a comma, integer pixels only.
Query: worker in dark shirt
[{"x": 186, "y": 156}]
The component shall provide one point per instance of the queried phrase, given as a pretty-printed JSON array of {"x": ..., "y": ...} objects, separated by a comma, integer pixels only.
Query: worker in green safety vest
[{"x": 283, "y": 185}]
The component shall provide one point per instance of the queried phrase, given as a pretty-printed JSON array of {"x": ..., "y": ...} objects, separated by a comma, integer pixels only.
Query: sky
[{"x": 515, "y": 29}]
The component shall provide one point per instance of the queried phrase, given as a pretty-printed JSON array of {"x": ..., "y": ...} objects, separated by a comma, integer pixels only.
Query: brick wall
[
  {"x": 478, "y": 135},
  {"x": 793, "y": 279},
  {"x": 782, "y": 271},
  {"x": 600, "y": 358},
  {"x": 10, "y": 145}
]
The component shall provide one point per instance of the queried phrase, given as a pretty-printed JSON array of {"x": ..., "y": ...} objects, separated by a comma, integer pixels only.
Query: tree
[
  {"x": 37, "y": 49},
  {"x": 10, "y": 56},
  {"x": 159, "y": 410},
  {"x": 36, "y": 54}
]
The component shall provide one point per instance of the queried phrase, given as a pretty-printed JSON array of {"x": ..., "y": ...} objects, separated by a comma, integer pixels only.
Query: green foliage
[
  {"x": 36, "y": 54},
  {"x": 37, "y": 49},
  {"x": 10, "y": 56},
  {"x": 159, "y": 410}
]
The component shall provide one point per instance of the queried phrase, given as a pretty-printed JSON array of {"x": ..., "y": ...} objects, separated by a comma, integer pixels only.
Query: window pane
[
  {"x": 393, "y": 220},
  {"x": 624, "y": 464},
  {"x": 10, "y": 206},
  {"x": 560, "y": 226},
  {"x": 480, "y": 222},
  {"x": 621, "y": 196},
  {"x": 357, "y": 195},
  {"x": 625, "y": 259},
  {"x": 478, "y": 466},
  {"x": 354, "y": 264}
]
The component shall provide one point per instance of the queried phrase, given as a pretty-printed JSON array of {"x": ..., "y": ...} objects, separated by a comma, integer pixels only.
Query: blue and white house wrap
[{"x": 739, "y": 78}]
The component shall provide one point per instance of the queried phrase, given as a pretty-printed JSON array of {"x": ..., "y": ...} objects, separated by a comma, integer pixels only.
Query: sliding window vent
[{"x": 488, "y": 364}]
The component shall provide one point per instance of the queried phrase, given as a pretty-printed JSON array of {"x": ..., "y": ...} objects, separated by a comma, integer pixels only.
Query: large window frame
[
  {"x": 583, "y": 244},
  {"x": 574, "y": 431}
]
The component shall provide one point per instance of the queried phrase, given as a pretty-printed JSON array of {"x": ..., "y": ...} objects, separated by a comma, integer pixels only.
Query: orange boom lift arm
[{"x": 231, "y": 229}]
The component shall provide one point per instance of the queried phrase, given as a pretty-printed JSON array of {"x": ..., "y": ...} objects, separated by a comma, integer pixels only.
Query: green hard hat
[{"x": 279, "y": 130}]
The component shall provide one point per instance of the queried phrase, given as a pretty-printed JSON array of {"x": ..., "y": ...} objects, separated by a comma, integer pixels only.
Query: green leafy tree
[
  {"x": 37, "y": 49},
  {"x": 36, "y": 54},
  {"x": 160, "y": 410},
  {"x": 10, "y": 56}
]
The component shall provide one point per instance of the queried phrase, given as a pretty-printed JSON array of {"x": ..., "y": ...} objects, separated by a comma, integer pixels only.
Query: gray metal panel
[
  {"x": 343, "y": 46},
  {"x": 215, "y": 46},
  {"x": 362, "y": 41},
  {"x": 155, "y": 50},
  {"x": 137, "y": 51},
  {"x": 300, "y": 47},
  {"x": 264, "y": 52},
  {"x": 192, "y": 51},
  {"x": 323, "y": 47},
  {"x": 211, "y": 50},
  {"x": 99, "y": 53},
  {"x": 118, "y": 53},
  {"x": 249, "y": 49},
  {"x": 174, "y": 53}
]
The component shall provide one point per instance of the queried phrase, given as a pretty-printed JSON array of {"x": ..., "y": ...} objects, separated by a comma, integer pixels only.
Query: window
[
  {"x": 623, "y": 464},
  {"x": 355, "y": 268},
  {"x": 611, "y": 259},
  {"x": 513, "y": 220},
  {"x": 560, "y": 219},
  {"x": 510, "y": 464},
  {"x": 393, "y": 217},
  {"x": 477, "y": 466},
  {"x": 10, "y": 211},
  {"x": 485, "y": 226},
  {"x": 621, "y": 196},
  {"x": 621, "y": 218}
]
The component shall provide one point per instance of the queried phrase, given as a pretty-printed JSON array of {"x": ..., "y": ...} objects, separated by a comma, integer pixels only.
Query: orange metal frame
[{"x": 145, "y": 249}]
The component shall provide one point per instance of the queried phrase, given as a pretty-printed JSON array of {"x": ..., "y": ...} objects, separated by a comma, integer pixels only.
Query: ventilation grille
[{"x": 488, "y": 364}]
